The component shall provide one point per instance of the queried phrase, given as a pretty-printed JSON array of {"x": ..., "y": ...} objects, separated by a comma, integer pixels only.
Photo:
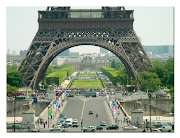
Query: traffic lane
[
  {"x": 73, "y": 108},
  {"x": 97, "y": 106}
]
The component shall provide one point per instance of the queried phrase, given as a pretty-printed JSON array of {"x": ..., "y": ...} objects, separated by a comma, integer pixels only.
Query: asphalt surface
[{"x": 79, "y": 107}]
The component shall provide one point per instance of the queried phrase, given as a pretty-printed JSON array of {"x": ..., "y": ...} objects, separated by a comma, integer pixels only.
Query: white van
[
  {"x": 69, "y": 121},
  {"x": 165, "y": 128}
]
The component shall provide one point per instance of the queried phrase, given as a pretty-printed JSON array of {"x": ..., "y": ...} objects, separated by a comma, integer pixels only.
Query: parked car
[
  {"x": 113, "y": 127},
  {"x": 156, "y": 130},
  {"x": 64, "y": 130},
  {"x": 91, "y": 112},
  {"x": 103, "y": 123},
  {"x": 31, "y": 130},
  {"x": 70, "y": 95},
  {"x": 55, "y": 128},
  {"x": 165, "y": 128},
  {"x": 99, "y": 128},
  {"x": 89, "y": 129},
  {"x": 130, "y": 128}
]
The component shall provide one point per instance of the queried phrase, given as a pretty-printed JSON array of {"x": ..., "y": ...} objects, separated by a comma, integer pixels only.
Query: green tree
[
  {"x": 147, "y": 81},
  {"x": 11, "y": 89},
  {"x": 169, "y": 66},
  {"x": 122, "y": 77},
  {"x": 120, "y": 65},
  {"x": 165, "y": 71},
  {"x": 14, "y": 79},
  {"x": 113, "y": 63},
  {"x": 11, "y": 68}
]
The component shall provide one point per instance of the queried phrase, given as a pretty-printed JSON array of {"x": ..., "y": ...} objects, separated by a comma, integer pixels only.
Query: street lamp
[
  {"x": 137, "y": 121},
  {"x": 14, "y": 114},
  {"x": 48, "y": 115},
  {"x": 150, "y": 96}
]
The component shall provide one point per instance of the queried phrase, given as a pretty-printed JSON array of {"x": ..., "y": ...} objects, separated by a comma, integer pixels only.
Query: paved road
[
  {"x": 97, "y": 106},
  {"x": 78, "y": 108}
]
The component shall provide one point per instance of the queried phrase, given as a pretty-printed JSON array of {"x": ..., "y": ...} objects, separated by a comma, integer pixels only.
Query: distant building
[
  {"x": 14, "y": 58},
  {"x": 161, "y": 49},
  {"x": 14, "y": 52},
  {"x": 8, "y": 51},
  {"x": 64, "y": 53},
  {"x": 23, "y": 52},
  {"x": 87, "y": 64},
  {"x": 74, "y": 54},
  {"x": 102, "y": 50}
]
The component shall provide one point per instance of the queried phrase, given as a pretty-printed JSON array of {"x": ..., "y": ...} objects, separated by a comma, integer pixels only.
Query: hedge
[
  {"x": 59, "y": 75},
  {"x": 111, "y": 73}
]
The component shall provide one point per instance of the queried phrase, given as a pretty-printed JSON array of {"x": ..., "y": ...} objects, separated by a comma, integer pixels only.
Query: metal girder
[{"x": 55, "y": 36}]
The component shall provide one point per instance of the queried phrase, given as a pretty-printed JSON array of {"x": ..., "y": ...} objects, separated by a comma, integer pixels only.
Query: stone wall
[
  {"x": 159, "y": 107},
  {"x": 38, "y": 107}
]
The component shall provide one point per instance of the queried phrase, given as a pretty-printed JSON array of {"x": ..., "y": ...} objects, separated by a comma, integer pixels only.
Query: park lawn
[{"x": 87, "y": 84}]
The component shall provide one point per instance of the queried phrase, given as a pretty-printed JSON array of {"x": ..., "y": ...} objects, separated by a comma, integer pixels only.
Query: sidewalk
[{"x": 51, "y": 121}]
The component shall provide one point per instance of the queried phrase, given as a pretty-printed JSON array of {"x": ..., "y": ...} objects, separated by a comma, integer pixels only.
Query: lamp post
[
  {"x": 137, "y": 121},
  {"x": 150, "y": 96},
  {"x": 48, "y": 115},
  {"x": 14, "y": 115}
]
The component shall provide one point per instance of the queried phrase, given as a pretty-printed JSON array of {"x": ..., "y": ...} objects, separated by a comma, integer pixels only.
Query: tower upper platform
[{"x": 67, "y": 12}]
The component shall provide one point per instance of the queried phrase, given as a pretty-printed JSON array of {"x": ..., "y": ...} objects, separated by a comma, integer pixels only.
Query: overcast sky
[{"x": 154, "y": 25}]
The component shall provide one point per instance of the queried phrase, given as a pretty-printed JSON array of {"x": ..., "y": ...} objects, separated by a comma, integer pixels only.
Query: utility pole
[
  {"x": 150, "y": 95},
  {"x": 14, "y": 115}
]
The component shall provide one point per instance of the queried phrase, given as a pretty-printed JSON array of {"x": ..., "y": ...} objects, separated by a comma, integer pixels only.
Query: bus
[{"x": 130, "y": 88}]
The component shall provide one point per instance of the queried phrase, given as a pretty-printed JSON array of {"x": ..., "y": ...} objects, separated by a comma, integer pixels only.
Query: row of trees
[
  {"x": 14, "y": 79},
  {"x": 161, "y": 75}
]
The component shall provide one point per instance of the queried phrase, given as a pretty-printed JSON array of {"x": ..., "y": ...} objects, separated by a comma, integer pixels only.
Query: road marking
[{"x": 82, "y": 110}]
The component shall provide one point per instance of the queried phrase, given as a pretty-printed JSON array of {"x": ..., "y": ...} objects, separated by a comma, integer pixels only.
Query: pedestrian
[
  {"x": 96, "y": 115},
  {"x": 44, "y": 125},
  {"x": 125, "y": 114},
  {"x": 124, "y": 120},
  {"x": 127, "y": 121}
]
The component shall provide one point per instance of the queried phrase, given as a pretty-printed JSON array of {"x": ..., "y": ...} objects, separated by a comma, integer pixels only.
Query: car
[
  {"x": 113, "y": 127},
  {"x": 31, "y": 130},
  {"x": 64, "y": 130},
  {"x": 103, "y": 123},
  {"x": 61, "y": 120},
  {"x": 55, "y": 128},
  {"x": 91, "y": 112},
  {"x": 156, "y": 130},
  {"x": 62, "y": 116},
  {"x": 99, "y": 128},
  {"x": 89, "y": 129},
  {"x": 130, "y": 128},
  {"x": 69, "y": 121},
  {"x": 165, "y": 128},
  {"x": 70, "y": 95},
  {"x": 75, "y": 123},
  {"x": 59, "y": 124},
  {"x": 66, "y": 125}
]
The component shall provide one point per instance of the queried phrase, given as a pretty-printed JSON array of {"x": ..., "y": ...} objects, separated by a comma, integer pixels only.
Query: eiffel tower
[{"x": 61, "y": 28}]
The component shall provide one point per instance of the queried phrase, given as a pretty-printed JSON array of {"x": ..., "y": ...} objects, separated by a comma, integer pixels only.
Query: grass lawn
[{"x": 87, "y": 84}]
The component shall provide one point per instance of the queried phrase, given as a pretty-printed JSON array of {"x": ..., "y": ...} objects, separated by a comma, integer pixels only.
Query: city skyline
[{"x": 156, "y": 27}]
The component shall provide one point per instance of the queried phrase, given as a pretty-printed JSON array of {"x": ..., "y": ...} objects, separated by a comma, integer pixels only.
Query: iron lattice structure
[{"x": 61, "y": 28}]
